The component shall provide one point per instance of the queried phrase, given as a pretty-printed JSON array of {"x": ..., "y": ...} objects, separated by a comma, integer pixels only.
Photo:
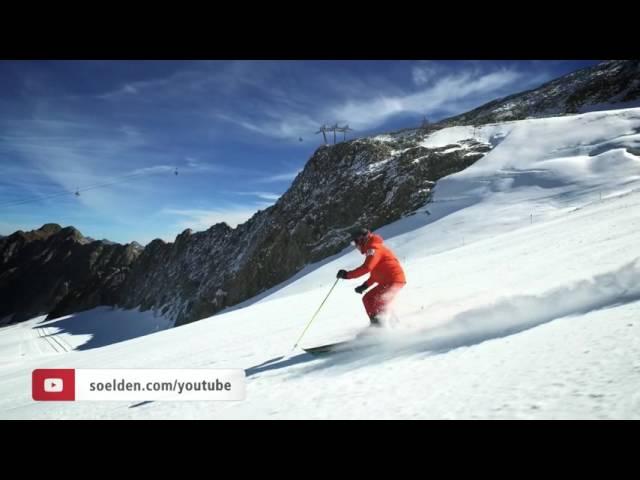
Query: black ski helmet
[{"x": 359, "y": 233}]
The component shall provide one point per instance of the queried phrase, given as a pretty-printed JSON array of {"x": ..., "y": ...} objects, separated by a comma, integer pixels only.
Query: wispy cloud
[
  {"x": 202, "y": 219},
  {"x": 371, "y": 105},
  {"x": 132, "y": 133},
  {"x": 289, "y": 125},
  {"x": 196, "y": 79},
  {"x": 154, "y": 169},
  {"x": 446, "y": 90},
  {"x": 263, "y": 195},
  {"x": 424, "y": 72},
  {"x": 196, "y": 166},
  {"x": 283, "y": 101},
  {"x": 192, "y": 166},
  {"x": 51, "y": 155},
  {"x": 281, "y": 177},
  {"x": 166, "y": 86}
]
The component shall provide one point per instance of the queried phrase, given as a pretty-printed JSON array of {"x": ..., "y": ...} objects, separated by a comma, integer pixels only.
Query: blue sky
[{"x": 237, "y": 131}]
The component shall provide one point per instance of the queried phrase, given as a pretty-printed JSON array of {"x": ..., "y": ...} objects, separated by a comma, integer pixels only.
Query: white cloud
[
  {"x": 238, "y": 121},
  {"x": 131, "y": 132},
  {"x": 194, "y": 165},
  {"x": 287, "y": 111},
  {"x": 452, "y": 88},
  {"x": 75, "y": 153},
  {"x": 154, "y": 169},
  {"x": 164, "y": 86},
  {"x": 287, "y": 108},
  {"x": 201, "y": 219},
  {"x": 423, "y": 72},
  {"x": 281, "y": 124},
  {"x": 373, "y": 106},
  {"x": 196, "y": 79},
  {"x": 281, "y": 177},
  {"x": 268, "y": 196},
  {"x": 263, "y": 195}
]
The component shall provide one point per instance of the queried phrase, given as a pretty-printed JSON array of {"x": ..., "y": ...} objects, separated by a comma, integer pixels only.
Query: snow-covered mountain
[
  {"x": 522, "y": 301},
  {"x": 608, "y": 85}
]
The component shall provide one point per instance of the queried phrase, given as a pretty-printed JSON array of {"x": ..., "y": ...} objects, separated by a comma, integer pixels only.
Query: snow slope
[{"x": 523, "y": 301}]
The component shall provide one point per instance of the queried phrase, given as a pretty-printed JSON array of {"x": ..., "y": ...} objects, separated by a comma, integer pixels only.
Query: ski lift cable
[{"x": 77, "y": 191}]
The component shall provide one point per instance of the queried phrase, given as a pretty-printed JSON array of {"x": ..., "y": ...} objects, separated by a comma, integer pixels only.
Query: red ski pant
[{"x": 377, "y": 299}]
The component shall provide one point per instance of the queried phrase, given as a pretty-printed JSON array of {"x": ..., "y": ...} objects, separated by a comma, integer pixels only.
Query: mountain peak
[{"x": 50, "y": 228}]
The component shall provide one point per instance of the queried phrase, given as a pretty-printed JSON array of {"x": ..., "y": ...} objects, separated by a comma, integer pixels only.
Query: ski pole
[{"x": 315, "y": 314}]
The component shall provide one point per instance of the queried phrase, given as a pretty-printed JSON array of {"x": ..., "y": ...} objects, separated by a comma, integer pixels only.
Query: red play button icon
[{"x": 53, "y": 384}]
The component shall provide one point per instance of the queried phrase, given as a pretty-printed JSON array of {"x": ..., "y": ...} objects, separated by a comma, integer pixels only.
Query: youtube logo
[{"x": 53, "y": 384}]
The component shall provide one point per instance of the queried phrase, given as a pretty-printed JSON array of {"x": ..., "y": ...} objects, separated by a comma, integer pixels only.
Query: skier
[{"x": 384, "y": 268}]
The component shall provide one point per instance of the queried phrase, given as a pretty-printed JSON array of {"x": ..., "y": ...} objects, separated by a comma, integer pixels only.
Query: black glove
[
  {"x": 342, "y": 274},
  {"x": 362, "y": 288}
]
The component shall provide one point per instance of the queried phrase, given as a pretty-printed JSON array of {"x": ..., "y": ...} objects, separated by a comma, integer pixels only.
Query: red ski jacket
[{"x": 380, "y": 261}]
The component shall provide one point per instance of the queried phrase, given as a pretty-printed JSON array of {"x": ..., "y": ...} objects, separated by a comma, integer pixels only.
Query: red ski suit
[{"x": 385, "y": 270}]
